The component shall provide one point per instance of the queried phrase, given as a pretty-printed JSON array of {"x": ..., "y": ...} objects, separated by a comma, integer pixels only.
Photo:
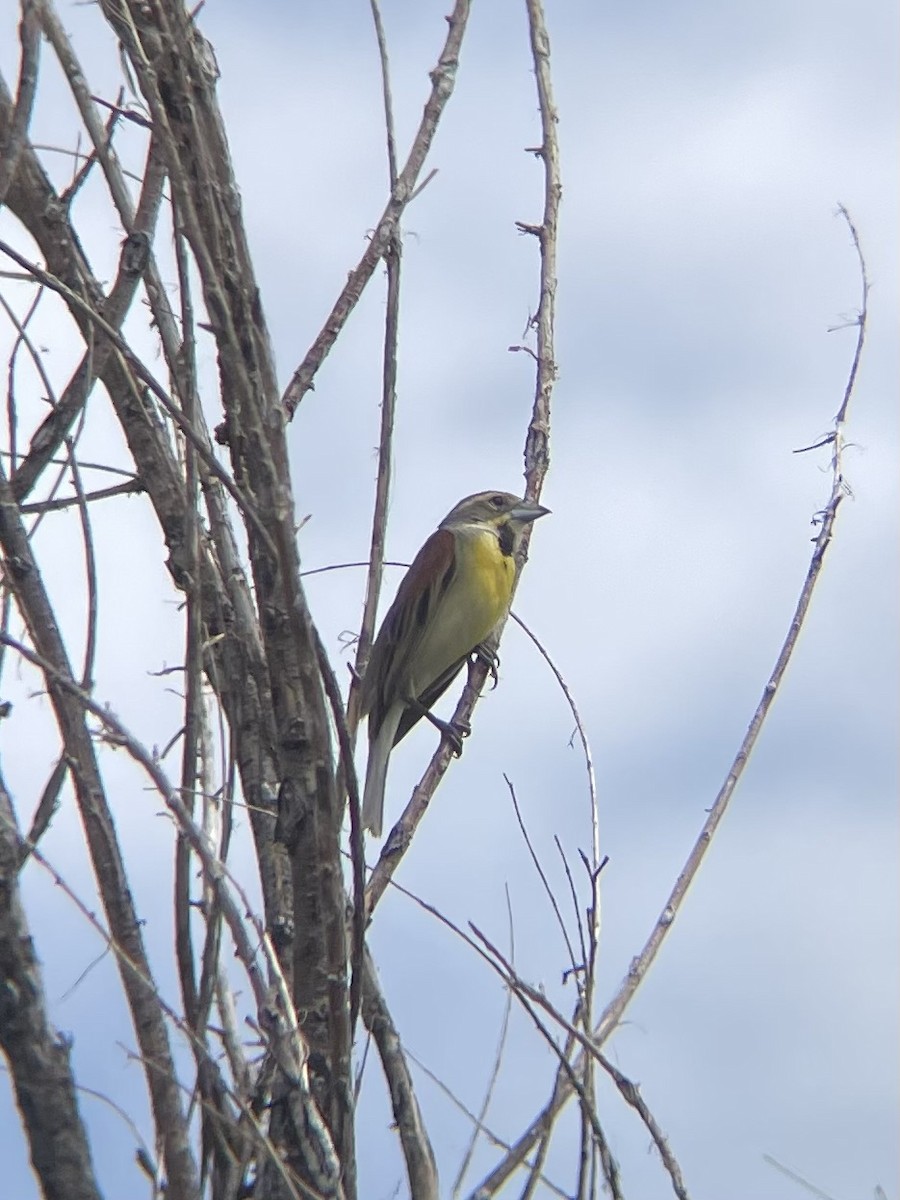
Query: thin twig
[
  {"x": 90, "y": 568},
  {"x": 860, "y": 322},
  {"x": 131, "y": 487},
  {"x": 379, "y": 524},
  {"x": 193, "y": 653},
  {"x": 47, "y": 806},
  {"x": 99, "y": 135},
  {"x": 48, "y": 802},
  {"x": 501, "y": 966},
  {"x": 554, "y": 904},
  {"x": 632, "y": 1096},
  {"x": 116, "y": 304},
  {"x": 392, "y": 258},
  {"x": 386, "y": 92},
  {"x": 357, "y": 843},
  {"x": 804, "y": 1183},
  {"x": 537, "y": 445},
  {"x": 247, "y": 953},
  {"x": 120, "y": 110},
  {"x": 575, "y": 904},
  {"x": 494, "y": 1074},
  {"x": 81, "y": 173},
  {"x": 134, "y": 362},
  {"x": 591, "y": 776},
  {"x": 531, "y": 1001},
  {"x": 536, "y": 1166},
  {"x": 21, "y": 339},
  {"x": 485, "y": 1130},
  {"x": 443, "y": 78}
]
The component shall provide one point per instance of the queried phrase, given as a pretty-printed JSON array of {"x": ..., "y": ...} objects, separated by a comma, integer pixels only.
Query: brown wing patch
[
  {"x": 431, "y": 563},
  {"x": 430, "y": 573}
]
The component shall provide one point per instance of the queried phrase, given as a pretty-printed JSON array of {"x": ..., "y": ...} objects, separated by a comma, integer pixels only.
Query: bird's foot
[
  {"x": 490, "y": 659},
  {"x": 453, "y": 731}
]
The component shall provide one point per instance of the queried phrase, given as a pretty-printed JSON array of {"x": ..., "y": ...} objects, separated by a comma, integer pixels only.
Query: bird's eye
[{"x": 497, "y": 501}]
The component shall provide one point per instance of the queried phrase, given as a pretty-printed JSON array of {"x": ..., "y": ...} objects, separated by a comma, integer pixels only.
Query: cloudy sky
[{"x": 704, "y": 150}]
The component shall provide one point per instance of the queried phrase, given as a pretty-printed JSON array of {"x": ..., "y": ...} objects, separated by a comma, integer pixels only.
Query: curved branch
[{"x": 641, "y": 964}]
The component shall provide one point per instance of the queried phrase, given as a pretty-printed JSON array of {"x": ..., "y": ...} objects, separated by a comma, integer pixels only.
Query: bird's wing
[{"x": 420, "y": 592}]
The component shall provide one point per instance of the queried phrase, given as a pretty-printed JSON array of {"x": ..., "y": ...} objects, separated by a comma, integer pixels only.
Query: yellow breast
[
  {"x": 491, "y": 574},
  {"x": 476, "y": 599}
]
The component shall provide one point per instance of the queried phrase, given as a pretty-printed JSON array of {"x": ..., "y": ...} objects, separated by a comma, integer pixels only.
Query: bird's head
[{"x": 503, "y": 512}]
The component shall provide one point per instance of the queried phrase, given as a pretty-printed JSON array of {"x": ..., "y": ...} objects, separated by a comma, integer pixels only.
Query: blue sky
[{"x": 704, "y": 150}]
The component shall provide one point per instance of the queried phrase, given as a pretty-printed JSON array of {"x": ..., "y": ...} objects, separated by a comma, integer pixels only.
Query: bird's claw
[
  {"x": 491, "y": 660},
  {"x": 455, "y": 732}
]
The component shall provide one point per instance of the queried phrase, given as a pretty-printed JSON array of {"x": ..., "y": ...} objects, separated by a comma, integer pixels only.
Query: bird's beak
[{"x": 528, "y": 511}]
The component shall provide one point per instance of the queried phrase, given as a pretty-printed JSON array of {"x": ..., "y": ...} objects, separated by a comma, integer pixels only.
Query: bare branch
[
  {"x": 861, "y": 324},
  {"x": 478, "y": 1122},
  {"x": 147, "y": 378},
  {"x": 443, "y": 78},
  {"x": 575, "y": 967},
  {"x": 486, "y": 1132},
  {"x": 804, "y": 1183},
  {"x": 38, "y": 1056},
  {"x": 17, "y": 129},
  {"x": 417, "y": 1152},
  {"x": 632, "y": 1096},
  {"x": 96, "y": 363},
  {"x": 392, "y": 257},
  {"x": 131, "y": 487},
  {"x": 537, "y": 444}
]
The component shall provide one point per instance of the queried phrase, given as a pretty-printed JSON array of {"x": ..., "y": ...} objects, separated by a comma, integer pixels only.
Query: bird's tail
[{"x": 376, "y": 771}]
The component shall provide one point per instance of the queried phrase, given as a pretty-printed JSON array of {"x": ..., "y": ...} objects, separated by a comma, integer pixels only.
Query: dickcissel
[{"x": 458, "y": 588}]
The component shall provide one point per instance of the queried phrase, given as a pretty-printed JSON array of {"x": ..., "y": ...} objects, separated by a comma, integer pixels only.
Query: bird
[{"x": 458, "y": 588}]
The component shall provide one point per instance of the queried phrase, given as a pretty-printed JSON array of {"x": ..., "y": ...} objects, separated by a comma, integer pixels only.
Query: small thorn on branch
[
  {"x": 823, "y": 441},
  {"x": 850, "y": 323},
  {"x": 423, "y": 185},
  {"x": 593, "y": 873},
  {"x": 128, "y": 113}
]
